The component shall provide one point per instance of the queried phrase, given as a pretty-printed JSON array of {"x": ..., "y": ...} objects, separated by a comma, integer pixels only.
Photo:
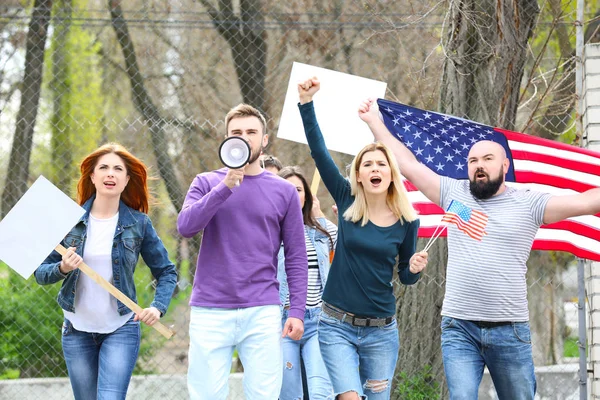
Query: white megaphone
[{"x": 234, "y": 153}]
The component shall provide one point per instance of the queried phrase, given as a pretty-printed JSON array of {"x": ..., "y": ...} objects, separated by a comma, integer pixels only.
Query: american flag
[
  {"x": 442, "y": 142},
  {"x": 471, "y": 222}
]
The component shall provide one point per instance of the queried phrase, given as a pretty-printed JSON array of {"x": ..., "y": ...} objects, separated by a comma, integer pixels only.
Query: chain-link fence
[{"x": 159, "y": 76}]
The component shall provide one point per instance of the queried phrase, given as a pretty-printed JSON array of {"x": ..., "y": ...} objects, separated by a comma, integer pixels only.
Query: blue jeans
[
  {"x": 359, "y": 359},
  {"x": 216, "y": 332},
  {"x": 100, "y": 364},
  {"x": 505, "y": 350},
  {"x": 319, "y": 386}
]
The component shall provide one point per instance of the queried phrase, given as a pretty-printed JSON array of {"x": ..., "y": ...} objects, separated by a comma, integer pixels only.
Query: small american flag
[{"x": 471, "y": 222}]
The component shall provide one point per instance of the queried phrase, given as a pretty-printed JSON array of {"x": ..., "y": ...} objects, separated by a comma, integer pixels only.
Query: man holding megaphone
[{"x": 245, "y": 214}]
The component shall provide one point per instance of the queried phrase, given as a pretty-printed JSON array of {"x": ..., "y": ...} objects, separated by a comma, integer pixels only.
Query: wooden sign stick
[
  {"x": 314, "y": 186},
  {"x": 166, "y": 332}
]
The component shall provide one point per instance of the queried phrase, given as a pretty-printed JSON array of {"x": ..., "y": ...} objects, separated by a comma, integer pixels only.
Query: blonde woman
[{"x": 377, "y": 225}]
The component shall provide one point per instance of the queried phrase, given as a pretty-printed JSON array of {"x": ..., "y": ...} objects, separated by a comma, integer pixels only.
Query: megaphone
[{"x": 234, "y": 152}]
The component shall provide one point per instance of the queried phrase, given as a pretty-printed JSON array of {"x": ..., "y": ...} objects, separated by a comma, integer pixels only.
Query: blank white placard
[
  {"x": 336, "y": 106},
  {"x": 35, "y": 225}
]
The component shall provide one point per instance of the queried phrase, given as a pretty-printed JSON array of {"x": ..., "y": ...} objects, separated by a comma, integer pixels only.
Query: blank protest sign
[
  {"x": 336, "y": 106},
  {"x": 35, "y": 225}
]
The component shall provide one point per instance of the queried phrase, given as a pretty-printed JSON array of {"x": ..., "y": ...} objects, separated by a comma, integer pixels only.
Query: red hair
[{"x": 135, "y": 195}]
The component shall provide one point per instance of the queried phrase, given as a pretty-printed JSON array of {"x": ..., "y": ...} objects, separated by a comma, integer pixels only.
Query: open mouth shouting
[
  {"x": 480, "y": 175},
  {"x": 375, "y": 181}
]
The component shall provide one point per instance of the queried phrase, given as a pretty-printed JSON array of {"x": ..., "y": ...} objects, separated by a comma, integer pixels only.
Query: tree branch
[
  {"x": 18, "y": 165},
  {"x": 145, "y": 106}
]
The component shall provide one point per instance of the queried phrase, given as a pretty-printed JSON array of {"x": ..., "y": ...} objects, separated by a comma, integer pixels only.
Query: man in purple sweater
[{"x": 235, "y": 298}]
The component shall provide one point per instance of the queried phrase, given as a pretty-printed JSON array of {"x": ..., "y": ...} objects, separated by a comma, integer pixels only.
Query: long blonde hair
[{"x": 397, "y": 199}]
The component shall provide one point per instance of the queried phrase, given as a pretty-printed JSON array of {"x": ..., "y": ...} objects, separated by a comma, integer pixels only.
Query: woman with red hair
[{"x": 100, "y": 335}]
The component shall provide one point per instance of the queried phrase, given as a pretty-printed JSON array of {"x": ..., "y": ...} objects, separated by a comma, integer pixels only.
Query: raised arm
[
  {"x": 426, "y": 180},
  {"x": 336, "y": 184},
  {"x": 562, "y": 207}
]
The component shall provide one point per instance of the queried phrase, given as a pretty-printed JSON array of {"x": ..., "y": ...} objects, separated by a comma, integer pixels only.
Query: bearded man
[{"x": 485, "y": 318}]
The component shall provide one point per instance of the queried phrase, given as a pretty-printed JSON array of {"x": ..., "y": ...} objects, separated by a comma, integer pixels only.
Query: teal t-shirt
[{"x": 360, "y": 278}]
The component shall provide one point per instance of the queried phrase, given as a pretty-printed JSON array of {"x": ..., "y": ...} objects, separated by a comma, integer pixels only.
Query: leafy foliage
[
  {"x": 421, "y": 385},
  {"x": 31, "y": 321}
]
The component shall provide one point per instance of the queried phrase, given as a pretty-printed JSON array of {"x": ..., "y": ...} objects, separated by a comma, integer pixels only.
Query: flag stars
[{"x": 437, "y": 140}]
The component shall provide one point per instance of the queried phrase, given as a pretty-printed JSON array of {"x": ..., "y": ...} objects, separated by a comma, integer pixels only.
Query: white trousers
[{"x": 216, "y": 332}]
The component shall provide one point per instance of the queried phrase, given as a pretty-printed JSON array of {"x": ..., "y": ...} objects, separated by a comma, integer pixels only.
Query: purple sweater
[{"x": 243, "y": 230}]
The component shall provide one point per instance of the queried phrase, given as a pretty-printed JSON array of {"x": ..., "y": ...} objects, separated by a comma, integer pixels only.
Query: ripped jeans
[
  {"x": 319, "y": 387},
  {"x": 359, "y": 359}
]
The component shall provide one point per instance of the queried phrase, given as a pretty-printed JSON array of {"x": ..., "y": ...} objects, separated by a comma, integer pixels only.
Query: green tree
[
  {"x": 76, "y": 86},
  {"x": 18, "y": 168}
]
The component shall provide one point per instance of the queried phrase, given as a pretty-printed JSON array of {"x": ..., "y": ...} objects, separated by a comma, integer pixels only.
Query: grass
[{"x": 571, "y": 348}]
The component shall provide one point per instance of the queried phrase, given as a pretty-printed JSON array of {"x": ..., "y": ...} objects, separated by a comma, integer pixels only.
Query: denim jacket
[
  {"x": 134, "y": 235},
  {"x": 322, "y": 246}
]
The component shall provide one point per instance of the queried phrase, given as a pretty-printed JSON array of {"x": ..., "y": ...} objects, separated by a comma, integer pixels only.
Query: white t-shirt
[{"x": 95, "y": 308}]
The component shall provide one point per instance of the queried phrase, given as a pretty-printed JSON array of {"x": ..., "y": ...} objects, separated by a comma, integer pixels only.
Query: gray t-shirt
[{"x": 485, "y": 280}]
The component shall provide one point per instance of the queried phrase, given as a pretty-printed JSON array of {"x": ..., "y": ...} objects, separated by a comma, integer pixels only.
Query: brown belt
[{"x": 353, "y": 319}]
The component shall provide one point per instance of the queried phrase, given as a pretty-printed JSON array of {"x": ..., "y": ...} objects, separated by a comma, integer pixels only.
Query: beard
[
  {"x": 254, "y": 155},
  {"x": 484, "y": 190}
]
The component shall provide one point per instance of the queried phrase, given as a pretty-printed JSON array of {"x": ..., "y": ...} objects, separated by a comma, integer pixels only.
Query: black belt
[
  {"x": 491, "y": 324},
  {"x": 353, "y": 319}
]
